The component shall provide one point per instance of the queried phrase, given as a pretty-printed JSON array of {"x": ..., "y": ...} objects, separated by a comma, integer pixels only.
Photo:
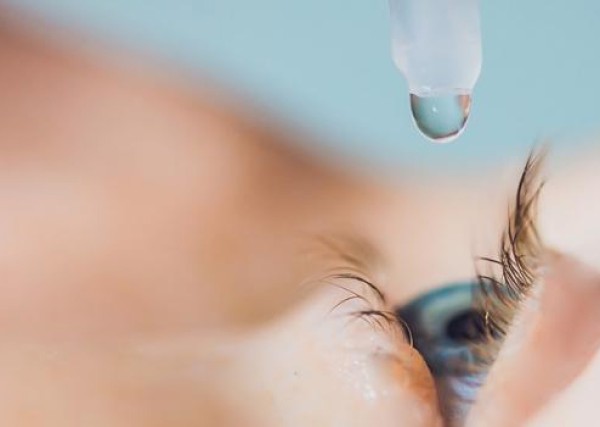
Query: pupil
[{"x": 466, "y": 326}]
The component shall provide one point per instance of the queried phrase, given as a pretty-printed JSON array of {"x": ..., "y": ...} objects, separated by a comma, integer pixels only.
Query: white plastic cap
[{"x": 437, "y": 45}]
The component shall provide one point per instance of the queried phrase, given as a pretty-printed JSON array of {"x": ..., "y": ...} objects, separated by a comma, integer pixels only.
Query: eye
[
  {"x": 467, "y": 327},
  {"x": 449, "y": 331}
]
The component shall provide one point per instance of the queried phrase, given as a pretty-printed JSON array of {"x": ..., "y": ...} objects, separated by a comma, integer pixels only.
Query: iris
[{"x": 448, "y": 331}]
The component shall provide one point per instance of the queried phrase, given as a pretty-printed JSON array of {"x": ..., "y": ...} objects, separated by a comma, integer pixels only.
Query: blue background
[{"x": 325, "y": 65}]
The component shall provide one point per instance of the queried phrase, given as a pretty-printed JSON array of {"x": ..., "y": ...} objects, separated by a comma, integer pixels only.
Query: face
[{"x": 166, "y": 262}]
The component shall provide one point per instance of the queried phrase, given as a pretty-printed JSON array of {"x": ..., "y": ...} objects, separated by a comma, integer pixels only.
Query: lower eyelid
[
  {"x": 371, "y": 364},
  {"x": 386, "y": 347},
  {"x": 359, "y": 308}
]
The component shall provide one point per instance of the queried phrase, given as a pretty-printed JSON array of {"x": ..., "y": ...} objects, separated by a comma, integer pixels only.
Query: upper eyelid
[
  {"x": 506, "y": 282},
  {"x": 520, "y": 250}
]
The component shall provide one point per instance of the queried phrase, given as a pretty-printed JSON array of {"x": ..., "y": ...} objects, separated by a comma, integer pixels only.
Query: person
[{"x": 167, "y": 259}]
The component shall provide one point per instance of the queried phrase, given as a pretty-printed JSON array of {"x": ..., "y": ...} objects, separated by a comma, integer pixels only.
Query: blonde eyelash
[
  {"x": 502, "y": 294},
  {"x": 504, "y": 282}
]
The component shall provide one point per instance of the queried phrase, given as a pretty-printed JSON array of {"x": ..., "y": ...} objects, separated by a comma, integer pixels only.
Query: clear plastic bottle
[{"x": 436, "y": 44}]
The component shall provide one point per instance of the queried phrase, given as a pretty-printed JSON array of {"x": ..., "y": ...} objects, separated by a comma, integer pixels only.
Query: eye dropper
[{"x": 436, "y": 44}]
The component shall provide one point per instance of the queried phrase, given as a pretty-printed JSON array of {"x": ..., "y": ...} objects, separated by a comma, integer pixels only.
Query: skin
[
  {"x": 531, "y": 369},
  {"x": 160, "y": 268}
]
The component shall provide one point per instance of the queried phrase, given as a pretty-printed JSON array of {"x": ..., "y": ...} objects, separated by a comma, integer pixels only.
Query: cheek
[
  {"x": 176, "y": 224},
  {"x": 136, "y": 235},
  {"x": 96, "y": 246},
  {"x": 314, "y": 369}
]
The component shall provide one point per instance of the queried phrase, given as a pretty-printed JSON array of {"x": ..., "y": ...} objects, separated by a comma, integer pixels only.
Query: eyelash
[
  {"x": 503, "y": 292},
  {"x": 505, "y": 282},
  {"x": 378, "y": 318},
  {"x": 356, "y": 257}
]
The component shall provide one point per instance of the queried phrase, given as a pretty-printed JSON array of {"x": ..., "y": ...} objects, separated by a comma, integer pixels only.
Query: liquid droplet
[{"x": 441, "y": 118}]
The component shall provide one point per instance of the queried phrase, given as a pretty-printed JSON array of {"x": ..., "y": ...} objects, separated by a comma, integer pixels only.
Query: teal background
[{"x": 325, "y": 65}]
